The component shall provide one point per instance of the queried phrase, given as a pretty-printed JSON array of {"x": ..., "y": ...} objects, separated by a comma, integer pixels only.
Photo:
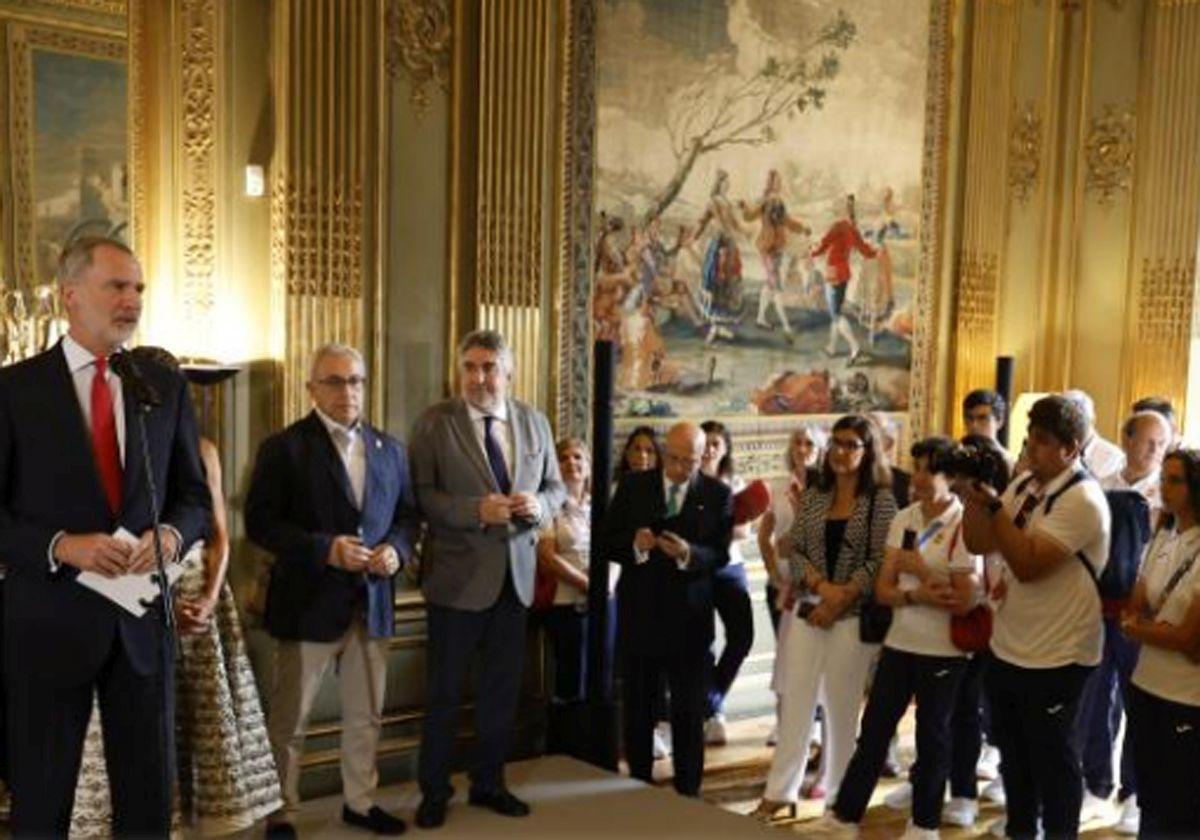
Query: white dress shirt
[
  {"x": 501, "y": 432},
  {"x": 348, "y": 441}
]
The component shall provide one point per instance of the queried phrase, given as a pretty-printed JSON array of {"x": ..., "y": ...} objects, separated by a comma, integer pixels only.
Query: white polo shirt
[
  {"x": 1166, "y": 673},
  {"x": 920, "y": 628},
  {"x": 1055, "y": 620}
]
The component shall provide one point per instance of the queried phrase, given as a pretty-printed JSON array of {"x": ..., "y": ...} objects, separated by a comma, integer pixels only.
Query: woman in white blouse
[
  {"x": 564, "y": 551},
  {"x": 1164, "y": 701}
]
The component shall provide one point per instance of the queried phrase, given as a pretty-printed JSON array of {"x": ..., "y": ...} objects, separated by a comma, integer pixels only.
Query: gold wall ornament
[
  {"x": 325, "y": 184},
  {"x": 1109, "y": 153},
  {"x": 419, "y": 41},
  {"x": 1024, "y": 151}
]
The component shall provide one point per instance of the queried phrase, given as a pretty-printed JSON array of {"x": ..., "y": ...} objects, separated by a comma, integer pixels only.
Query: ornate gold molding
[
  {"x": 1024, "y": 151},
  {"x": 116, "y": 8},
  {"x": 1109, "y": 153},
  {"x": 419, "y": 41},
  {"x": 198, "y": 181}
]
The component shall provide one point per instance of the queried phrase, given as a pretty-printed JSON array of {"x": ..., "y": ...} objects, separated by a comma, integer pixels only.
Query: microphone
[{"x": 125, "y": 365}]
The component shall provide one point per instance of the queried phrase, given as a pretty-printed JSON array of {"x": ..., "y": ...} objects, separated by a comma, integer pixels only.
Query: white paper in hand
[{"x": 132, "y": 593}]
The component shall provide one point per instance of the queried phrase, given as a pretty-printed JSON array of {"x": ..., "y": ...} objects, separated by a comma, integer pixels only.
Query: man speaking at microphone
[{"x": 71, "y": 476}]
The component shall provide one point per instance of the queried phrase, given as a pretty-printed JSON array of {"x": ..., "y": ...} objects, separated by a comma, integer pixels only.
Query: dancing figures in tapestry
[{"x": 759, "y": 203}]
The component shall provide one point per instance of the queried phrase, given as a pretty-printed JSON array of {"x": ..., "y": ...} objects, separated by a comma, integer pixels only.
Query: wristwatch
[{"x": 994, "y": 507}]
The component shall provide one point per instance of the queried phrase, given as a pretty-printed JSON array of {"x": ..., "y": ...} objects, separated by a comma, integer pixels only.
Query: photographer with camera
[
  {"x": 1052, "y": 528},
  {"x": 837, "y": 547},
  {"x": 927, "y": 576}
]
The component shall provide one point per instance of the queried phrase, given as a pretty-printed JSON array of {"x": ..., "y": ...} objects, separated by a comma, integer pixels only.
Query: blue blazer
[
  {"x": 49, "y": 483},
  {"x": 300, "y": 499}
]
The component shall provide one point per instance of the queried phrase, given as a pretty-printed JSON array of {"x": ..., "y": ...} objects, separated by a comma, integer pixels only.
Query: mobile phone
[{"x": 909, "y": 541}]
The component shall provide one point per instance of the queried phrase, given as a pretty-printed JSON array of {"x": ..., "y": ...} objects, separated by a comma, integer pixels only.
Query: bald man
[{"x": 670, "y": 530}]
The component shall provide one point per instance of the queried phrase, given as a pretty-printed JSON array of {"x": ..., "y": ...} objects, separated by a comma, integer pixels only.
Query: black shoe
[
  {"x": 501, "y": 801},
  {"x": 280, "y": 831},
  {"x": 376, "y": 820},
  {"x": 431, "y": 813}
]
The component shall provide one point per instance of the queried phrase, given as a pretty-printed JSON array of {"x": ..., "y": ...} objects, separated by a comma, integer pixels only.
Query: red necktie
[{"x": 104, "y": 437}]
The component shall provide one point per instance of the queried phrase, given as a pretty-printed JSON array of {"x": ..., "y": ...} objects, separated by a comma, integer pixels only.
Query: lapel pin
[{"x": 378, "y": 443}]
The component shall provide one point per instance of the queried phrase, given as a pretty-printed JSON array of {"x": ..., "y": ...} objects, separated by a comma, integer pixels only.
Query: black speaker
[
  {"x": 599, "y": 743},
  {"x": 1004, "y": 387}
]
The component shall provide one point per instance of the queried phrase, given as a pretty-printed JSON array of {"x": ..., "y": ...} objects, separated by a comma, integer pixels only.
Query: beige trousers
[{"x": 299, "y": 668}]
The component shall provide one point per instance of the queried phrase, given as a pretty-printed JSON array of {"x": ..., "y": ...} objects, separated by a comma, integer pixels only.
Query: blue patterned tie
[{"x": 495, "y": 456}]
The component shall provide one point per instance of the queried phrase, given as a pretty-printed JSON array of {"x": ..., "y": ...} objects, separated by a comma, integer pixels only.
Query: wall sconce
[{"x": 256, "y": 182}]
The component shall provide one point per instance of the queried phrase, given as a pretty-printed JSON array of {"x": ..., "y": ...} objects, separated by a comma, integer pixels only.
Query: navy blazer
[
  {"x": 300, "y": 499},
  {"x": 49, "y": 483},
  {"x": 661, "y": 609}
]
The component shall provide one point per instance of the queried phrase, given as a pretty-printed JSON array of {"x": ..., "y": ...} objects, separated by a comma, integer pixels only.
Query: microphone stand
[{"x": 144, "y": 401}]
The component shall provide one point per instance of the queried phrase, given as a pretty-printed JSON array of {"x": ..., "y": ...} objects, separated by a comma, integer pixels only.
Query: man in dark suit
[
  {"x": 331, "y": 499},
  {"x": 670, "y": 531},
  {"x": 71, "y": 475},
  {"x": 487, "y": 480}
]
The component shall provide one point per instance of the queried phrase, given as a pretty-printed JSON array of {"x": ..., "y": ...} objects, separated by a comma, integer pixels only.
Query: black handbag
[{"x": 874, "y": 618}]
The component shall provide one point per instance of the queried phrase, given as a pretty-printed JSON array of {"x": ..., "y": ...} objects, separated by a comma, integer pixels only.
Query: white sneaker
[
  {"x": 660, "y": 746},
  {"x": 993, "y": 791},
  {"x": 899, "y": 798},
  {"x": 988, "y": 767},
  {"x": 773, "y": 736},
  {"x": 913, "y": 832},
  {"x": 662, "y": 740},
  {"x": 830, "y": 826},
  {"x": 714, "y": 731},
  {"x": 1094, "y": 808},
  {"x": 960, "y": 811},
  {"x": 1130, "y": 820}
]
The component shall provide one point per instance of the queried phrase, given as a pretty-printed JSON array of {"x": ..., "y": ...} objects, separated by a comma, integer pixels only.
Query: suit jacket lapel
[
  {"x": 72, "y": 420},
  {"x": 516, "y": 423},
  {"x": 373, "y": 450},
  {"x": 326, "y": 451},
  {"x": 468, "y": 443}
]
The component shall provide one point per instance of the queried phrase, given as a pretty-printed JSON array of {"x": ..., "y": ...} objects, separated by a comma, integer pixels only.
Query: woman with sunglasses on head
[
  {"x": 927, "y": 576},
  {"x": 837, "y": 547},
  {"x": 1164, "y": 700}
]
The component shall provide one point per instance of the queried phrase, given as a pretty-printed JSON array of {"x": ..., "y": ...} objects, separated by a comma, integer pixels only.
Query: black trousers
[
  {"x": 1034, "y": 714},
  {"x": 687, "y": 676},
  {"x": 494, "y": 640},
  {"x": 731, "y": 598},
  {"x": 1166, "y": 750},
  {"x": 3, "y": 697},
  {"x": 900, "y": 676},
  {"x": 967, "y": 726},
  {"x": 47, "y": 724}
]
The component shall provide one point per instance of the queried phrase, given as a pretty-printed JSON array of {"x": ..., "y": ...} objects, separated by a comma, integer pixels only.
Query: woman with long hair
[
  {"x": 1164, "y": 697},
  {"x": 837, "y": 547}
]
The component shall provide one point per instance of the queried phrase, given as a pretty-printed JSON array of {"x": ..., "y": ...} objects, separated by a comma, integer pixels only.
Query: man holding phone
[{"x": 670, "y": 529}]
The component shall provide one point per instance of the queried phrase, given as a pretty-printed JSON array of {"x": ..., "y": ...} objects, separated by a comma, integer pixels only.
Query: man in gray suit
[{"x": 486, "y": 479}]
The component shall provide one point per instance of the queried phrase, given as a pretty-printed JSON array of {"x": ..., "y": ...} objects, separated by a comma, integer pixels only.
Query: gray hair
[
  {"x": 77, "y": 255},
  {"x": 816, "y": 436},
  {"x": 490, "y": 340},
  {"x": 1082, "y": 401},
  {"x": 333, "y": 348}
]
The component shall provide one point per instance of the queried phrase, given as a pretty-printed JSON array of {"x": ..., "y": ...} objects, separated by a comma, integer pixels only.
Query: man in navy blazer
[
  {"x": 670, "y": 530},
  {"x": 331, "y": 499},
  {"x": 71, "y": 474}
]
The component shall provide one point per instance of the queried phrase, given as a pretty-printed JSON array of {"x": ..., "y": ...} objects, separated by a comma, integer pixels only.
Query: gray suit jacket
[{"x": 463, "y": 562}]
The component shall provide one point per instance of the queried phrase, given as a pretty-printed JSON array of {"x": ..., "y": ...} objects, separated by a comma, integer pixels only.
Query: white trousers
[
  {"x": 832, "y": 664},
  {"x": 299, "y": 669}
]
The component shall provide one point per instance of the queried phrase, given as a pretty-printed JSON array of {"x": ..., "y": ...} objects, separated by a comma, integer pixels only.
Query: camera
[{"x": 978, "y": 459}]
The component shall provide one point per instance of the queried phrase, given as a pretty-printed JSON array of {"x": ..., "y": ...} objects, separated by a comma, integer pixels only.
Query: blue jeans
[
  {"x": 1100, "y": 711},
  {"x": 731, "y": 597}
]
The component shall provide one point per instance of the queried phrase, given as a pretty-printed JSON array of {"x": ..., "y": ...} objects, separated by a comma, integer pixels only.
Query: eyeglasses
[
  {"x": 339, "y": 382},
  {"x": 847, "y": 445}
]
